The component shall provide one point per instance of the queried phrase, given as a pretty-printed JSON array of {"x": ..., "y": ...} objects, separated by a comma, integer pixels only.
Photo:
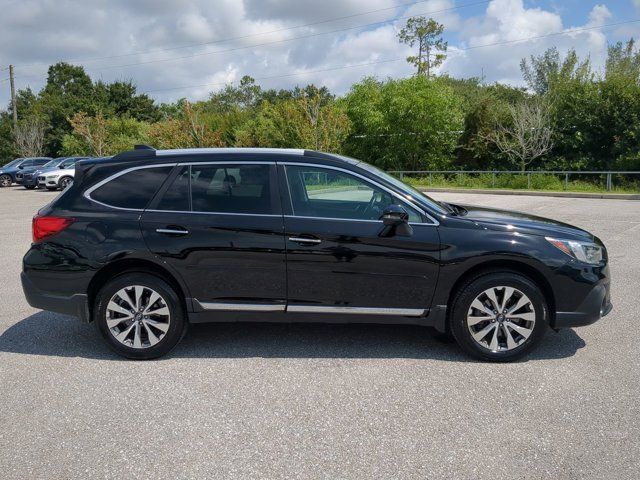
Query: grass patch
[{"x": 592, "y": 184}]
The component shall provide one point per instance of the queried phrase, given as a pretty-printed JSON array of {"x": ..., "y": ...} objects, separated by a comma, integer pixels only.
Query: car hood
[
  {"x": 523, "y": 223},
  {"x": 47, "y": 170},
  {"x": 27, "y": 170}
]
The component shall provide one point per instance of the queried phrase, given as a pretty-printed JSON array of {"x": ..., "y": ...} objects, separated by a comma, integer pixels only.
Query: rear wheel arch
[
  {"x": 498, "y": 266},
  {"x": 132, "y": 265}
]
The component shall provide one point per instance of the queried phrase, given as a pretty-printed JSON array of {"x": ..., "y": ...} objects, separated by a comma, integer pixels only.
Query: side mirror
[
  {"x": 396, "y": 222},
  {"x": 394, "y": 215},
  {"x": 21, "y": 167}
]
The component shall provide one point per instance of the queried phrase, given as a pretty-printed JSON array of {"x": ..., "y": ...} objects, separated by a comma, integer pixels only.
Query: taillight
[{"x": 43, "y": 227}]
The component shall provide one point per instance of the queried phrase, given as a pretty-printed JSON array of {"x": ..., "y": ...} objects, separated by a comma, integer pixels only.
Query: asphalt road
[{"x": 316, "y": 401}]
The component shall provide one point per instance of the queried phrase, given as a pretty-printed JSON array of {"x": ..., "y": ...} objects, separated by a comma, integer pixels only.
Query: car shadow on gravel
[{"x": 50, "y": 334}]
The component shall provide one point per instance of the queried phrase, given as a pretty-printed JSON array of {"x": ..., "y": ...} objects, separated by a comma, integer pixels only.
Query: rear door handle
[
  {"x": 172, "y": 231},
  {"x": 308, "y": 241}
]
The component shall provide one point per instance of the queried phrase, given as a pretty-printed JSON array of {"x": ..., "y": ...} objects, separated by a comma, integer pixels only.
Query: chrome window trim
[
  {"x": 367, "y": 180},
  {"x": 405, "y": 312},
  {"x": 87, "y": 193},
  {"x": 349, "y": 220},
  {"x": 214, "y": 213},
  {"x": 247, "y": 307}
]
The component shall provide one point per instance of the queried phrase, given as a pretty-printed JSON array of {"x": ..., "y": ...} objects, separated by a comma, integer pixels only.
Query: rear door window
[
  {"x": 232, "y": 189},
  {"x": 132, "y": 189}
]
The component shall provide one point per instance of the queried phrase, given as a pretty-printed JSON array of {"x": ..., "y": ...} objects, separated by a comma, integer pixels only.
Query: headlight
[
  {"x": 52, "y": 177},
  {"x": 586, "y": 252}
]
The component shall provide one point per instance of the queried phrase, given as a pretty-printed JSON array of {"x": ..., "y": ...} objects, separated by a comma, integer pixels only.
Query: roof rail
[{"x": 143, "y": 147}]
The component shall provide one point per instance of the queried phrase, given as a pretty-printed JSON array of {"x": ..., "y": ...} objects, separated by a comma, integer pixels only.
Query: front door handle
[
  {"x": 172, "y": 231},
  {"x": 306, "y": 241}
]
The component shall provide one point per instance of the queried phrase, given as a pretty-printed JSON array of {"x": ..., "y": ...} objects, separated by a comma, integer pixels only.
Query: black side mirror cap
[
  {"x": 396, "y": 222},
  {"x": 394, "y": 215}
]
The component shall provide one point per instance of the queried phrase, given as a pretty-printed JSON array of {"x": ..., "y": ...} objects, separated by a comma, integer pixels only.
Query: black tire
[
  {"x": 64, "y": 181},
  {"x": 29, "y": 187},
  {"x": 177, "y": 324},
  {"x": 475, "y": 287},
  {"x": 5, "y": 180}
]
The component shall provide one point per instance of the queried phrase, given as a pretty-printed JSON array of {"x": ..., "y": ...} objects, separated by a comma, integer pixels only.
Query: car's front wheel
[
  {"x": 64, "y": 182},
  {"x": 499, "y": 316},
  {"x": 29, "y": 187},
  {"x": 140, "y": 316},
  {"x": 5, "y": 180}
]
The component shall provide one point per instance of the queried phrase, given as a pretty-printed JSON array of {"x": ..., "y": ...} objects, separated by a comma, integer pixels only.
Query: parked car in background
[
  {"x": 9, "y": 172},
  {"x": 147, "y": 241},
  {"x": 27, "y": 170},
  {"x": 6, "y": 179},
  {"x": 57, "y": 178},
  {"x": 51, "y": 168}
]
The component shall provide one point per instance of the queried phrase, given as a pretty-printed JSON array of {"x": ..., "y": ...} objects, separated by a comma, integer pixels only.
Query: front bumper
[
  {"x": 31, "y": 181},
  {"x": 76, "y": 305},
  {"x": 596, "y": 305},
  {"x": 43, "y": 181}
]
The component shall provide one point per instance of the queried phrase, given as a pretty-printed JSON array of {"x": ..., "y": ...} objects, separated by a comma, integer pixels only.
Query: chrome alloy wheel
[
  {"x": 138, "y": 316},
  {"x": 501, "y": 318}
]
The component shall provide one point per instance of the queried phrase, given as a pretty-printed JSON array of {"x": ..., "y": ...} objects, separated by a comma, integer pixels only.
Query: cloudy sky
[{"x": 187, "y": 48}]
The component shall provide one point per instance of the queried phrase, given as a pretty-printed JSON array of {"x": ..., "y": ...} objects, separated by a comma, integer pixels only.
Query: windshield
[
  {"x": 404, "y": 188},
  {"x": 12, "y": 163},
  {"x": 52, "y": 163}
]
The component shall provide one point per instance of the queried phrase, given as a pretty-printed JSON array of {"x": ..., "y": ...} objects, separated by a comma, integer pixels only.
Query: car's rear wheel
[
  {"x": 5, "y": 180},
  {"x": 140, "y": 316},
  {"x": 29, "y": 187},
  {"x": 499, "y": 316}
]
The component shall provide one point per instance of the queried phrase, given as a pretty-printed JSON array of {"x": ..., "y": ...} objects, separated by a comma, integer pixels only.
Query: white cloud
[
  {"x": 36, "y": 33},
  {"x": 491, "y": 44}
]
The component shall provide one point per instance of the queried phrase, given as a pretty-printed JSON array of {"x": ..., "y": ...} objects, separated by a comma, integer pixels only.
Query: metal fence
[{"x": 566, "y": 174}]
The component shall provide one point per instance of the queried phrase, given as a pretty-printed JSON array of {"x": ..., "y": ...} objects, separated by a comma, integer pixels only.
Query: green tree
[
  {"x": 542, "y": 71},
  {"x": 410, "y": 124},
  {"x": 427, "y": 34},
  {"x": 245, "y": 96},
  {"x": 303, "y": 122}
]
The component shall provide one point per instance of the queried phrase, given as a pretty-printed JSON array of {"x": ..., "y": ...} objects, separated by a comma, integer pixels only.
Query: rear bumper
[
  {"x": 76, "y": 305},
  {"x": 596, "y": 305}
]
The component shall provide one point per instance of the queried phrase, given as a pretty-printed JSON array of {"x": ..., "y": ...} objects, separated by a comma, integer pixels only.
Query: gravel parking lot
[{"x": 320, "y": 401}]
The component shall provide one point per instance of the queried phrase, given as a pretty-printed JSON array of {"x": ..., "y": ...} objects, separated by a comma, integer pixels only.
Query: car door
[
  {"x": 220, "y": 225},
  {"x": 339, "y": 258}
]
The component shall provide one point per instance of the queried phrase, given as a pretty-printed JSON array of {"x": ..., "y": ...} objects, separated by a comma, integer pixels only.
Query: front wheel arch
[{"x": 501, "y": 266}]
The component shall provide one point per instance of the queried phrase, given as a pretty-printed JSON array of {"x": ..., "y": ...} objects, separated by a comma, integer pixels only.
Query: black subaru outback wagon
[{"x": 148, "y": 241}]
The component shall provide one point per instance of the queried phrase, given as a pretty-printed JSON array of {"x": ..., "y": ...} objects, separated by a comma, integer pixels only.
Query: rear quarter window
[{"x": 133, "y": 189}]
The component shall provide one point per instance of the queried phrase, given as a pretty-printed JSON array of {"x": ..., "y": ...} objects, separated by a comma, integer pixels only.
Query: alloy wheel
[
  {"x": 138, "y": 316},
  {"x": 64, "y": 183},
  {"x": 501, "y": 318},
  {"x": 5, "y": 181}
]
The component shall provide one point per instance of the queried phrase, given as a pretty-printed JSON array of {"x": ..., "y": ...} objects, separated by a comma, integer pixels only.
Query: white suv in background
[{"x": 55, "y": 179}]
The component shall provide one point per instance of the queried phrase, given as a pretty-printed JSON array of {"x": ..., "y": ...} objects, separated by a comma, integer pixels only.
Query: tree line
[{"x": 568, "y": 117}]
